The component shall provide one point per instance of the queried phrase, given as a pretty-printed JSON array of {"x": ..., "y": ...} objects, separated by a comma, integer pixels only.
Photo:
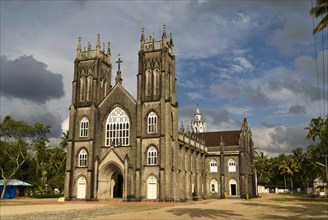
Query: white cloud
[
  {"x": 195, "y": 95},
  {"x": 65, "y": 125},
  {"x": 241, "y": 20},
  {"x": 279, "y": 139},
  {"x": 244, "y": 62}
]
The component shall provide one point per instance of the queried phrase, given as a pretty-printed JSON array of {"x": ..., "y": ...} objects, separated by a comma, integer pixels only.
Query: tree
[
  {"x": 321, "y": 9},
  {"x": 263, "y": 166},
  {"x": 316, "y": 128},
  {"x": 287, "y": 166},
  {"x": 17, "y": 139}
]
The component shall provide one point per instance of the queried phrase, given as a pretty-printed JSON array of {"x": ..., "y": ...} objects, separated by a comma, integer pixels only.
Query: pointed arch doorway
[
  {"x": 110, "y": 182},
  {"x": 117, "y": 185}
]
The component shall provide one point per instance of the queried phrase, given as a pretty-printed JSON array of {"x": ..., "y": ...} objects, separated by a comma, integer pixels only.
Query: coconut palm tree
[
  {"x": 316, "y": 128},
  {"x": 321, "y": 9}
]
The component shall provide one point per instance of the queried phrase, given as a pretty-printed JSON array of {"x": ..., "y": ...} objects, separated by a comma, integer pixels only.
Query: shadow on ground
[
  {"x": 203, "y": 213},
  {"x": 297, "y": 210}
]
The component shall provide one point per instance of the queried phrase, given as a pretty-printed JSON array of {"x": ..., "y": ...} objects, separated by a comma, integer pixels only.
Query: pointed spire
[
  {"x": 103, "y": 47},
  {"x": 164, "y": 36},
  {"x": 245, "y": 123},
  {"x": 171, "y": 40},
  {"x": 78, "y": 50},
  {"x": 142, "y": 38},
  {"x": 98, "y": 45},
  {"x": 182, "y": 129},
  {"x": 108, "y": 53}
]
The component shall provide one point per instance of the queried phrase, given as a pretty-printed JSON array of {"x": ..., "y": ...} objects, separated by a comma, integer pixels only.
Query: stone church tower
[
  {"x": 156, "y": 105},
  {"x": 122, "y": 147}
]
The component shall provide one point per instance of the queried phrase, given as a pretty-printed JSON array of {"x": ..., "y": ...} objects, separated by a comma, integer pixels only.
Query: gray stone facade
[{"x": 122, "y": 147}]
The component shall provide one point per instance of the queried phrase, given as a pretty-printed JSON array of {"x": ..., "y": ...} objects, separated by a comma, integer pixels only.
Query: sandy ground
[{"x": 260, "y": 208}]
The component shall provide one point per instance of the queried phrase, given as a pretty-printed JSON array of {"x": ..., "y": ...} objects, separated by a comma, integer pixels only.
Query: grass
[{"x": 297, "y": 198}]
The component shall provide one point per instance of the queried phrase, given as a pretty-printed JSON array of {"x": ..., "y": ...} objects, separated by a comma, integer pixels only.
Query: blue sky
[{"x": 232, "y": 56}]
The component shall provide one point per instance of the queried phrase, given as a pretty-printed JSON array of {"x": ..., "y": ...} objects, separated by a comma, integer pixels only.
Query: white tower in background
[{"x": 198, "y": 125}]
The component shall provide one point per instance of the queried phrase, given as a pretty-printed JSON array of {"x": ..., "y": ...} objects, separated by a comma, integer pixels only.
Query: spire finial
[
  {"x": 164, "y": 35},
  {"x": 171, "y": 41},
  {"x": 142, "y": 34},
  {"x": 108, "y": 53},
  {"x": 182, "y": 129},
  {"x": 118, "y": 76},
  {"x": 78, "y": 50},
  {"x": 245, "y": 113},
  {"x": 98, "y": 40},
  {"x": 98, "y": 45},
  {"x": 142, "y": 38}
]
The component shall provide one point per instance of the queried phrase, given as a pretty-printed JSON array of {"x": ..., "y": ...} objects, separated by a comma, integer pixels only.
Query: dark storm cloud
[
  {"x": 27, "y": 78},
  {"x": 35, "y": 114},
  {"x": 297, "y": 109},
  {"x": 289, "y": 137}
]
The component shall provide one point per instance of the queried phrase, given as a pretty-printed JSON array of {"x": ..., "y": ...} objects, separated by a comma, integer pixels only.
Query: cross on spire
[{"x": 119, "y": 61}]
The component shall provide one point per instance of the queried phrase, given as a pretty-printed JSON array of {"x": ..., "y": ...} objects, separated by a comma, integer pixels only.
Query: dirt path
[{"x": 270, "y": 206}]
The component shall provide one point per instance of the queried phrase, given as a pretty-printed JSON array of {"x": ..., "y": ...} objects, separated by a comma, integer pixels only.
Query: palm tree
[
  {"x": 64, "y": 140},
  {"x": 321, "y": 9},
  {"x": 287, "y": 166},
  {"x": 315, "y": 128},
  {"x": 263, "y": 166}
]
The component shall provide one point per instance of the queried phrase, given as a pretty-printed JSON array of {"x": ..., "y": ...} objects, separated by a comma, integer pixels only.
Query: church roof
[{"x": 230, "y": 138}]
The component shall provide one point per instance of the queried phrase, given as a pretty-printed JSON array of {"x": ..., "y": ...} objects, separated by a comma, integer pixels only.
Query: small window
[
  {"x": 152, "y": 156},
  {"x": 83, "y": 158},
  {"x": 152, "y": 123},
  {"x": 213, "y": 166},
  {"x": 84, "y": 127},
  {"x": 214, "y": 186},
  {"x": 232, "y": 166}
]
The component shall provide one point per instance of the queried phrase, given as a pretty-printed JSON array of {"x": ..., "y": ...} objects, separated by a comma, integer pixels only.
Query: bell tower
[
  {"x": 157, "y": 109},
  {"x": 91, "y": 84},
  {"x": 92, "y": 74},
  {"x": 156, "y": 73}
]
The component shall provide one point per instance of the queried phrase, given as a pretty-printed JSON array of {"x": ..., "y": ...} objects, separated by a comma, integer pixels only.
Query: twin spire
[
  {"x": 89, "y": 53},
  {"x": 151, "y": 39}
]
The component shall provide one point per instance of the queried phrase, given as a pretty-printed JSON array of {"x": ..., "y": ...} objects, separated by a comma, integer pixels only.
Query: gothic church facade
[{"x": 122, "y": 147}]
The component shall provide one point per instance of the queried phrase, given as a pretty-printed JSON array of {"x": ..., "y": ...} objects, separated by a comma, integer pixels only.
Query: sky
[{"x": 232, "y": 57}]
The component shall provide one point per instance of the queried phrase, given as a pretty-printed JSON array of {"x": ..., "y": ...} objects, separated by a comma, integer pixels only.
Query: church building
[{"x": 132, "y": 148}]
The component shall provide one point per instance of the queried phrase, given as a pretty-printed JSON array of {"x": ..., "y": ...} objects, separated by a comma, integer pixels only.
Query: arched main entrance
[
  {"x": 110, "y": 182},
  {"x": 117, "y": 185}
]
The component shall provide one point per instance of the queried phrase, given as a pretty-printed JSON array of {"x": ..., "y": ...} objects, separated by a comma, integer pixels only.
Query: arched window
[
  {"x": 148, "y": 83},
  {"x": 232, "y": 166},
  {"x": 214, "y": 186},
  {"x": 117, "y": 128},
  {"x": 213, "y": 166},
  {"x": 84, "y": 126},
  {"x": 156, "y": 82},
  {"x": 82, "y": 89},
  {"x": 152, "y": 156},
  {"x": 152, "y": 123},
  {"x": 83, "y": 158},
  {"x": 89, "y": 88}
]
